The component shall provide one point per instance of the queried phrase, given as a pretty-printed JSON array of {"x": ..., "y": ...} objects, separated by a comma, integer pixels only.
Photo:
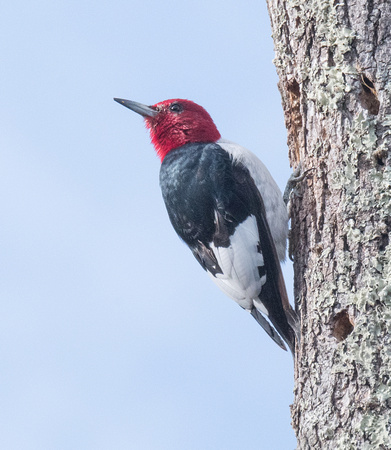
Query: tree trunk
[{"x": 334, "y": 64}]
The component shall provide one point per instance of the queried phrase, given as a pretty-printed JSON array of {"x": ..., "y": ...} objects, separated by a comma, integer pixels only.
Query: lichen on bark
[{"x": 334, "y": 66}]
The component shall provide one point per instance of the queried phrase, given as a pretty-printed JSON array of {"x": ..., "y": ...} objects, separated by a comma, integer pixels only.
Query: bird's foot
[{"x": 297, "y": 176}]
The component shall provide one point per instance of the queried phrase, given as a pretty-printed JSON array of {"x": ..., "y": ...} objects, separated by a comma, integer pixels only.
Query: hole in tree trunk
[
  {"x": 368, "y": 96},
  {"x": 342, "y": 326},
  {"x": 380, "y": 157}
]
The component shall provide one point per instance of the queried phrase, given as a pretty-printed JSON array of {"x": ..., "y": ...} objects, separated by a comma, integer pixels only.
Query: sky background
[{"x": 111, "y": 335}]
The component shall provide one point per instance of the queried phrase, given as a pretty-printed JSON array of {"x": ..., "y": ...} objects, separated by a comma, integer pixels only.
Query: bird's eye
[{"x": 176, "y": 108}]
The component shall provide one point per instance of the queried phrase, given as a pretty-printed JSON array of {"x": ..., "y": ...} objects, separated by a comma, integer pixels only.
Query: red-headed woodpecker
[{"x": 224, "y": 204}]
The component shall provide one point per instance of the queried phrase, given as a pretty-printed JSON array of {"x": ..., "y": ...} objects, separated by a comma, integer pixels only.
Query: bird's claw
[{"x": 297, "y": 176}]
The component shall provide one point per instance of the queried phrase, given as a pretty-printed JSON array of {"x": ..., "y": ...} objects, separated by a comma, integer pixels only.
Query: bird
[{"x": 224, "y": 204}]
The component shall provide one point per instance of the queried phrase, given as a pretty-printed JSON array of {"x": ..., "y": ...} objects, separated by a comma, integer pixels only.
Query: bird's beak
[{"x": 139, "y": 108}]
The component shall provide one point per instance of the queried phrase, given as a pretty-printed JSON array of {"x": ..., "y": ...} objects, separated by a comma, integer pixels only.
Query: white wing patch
[{"x": 239, "y": 262}]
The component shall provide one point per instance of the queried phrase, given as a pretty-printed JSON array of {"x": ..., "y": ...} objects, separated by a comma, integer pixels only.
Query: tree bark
[{"x": 334, "y": 64}]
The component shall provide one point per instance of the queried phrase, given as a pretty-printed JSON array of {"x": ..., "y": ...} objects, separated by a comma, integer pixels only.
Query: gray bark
[{"x": 334, "y": 64}]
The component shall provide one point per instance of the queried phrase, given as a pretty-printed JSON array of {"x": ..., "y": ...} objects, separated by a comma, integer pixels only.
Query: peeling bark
[{"x": 334, "y": 65}]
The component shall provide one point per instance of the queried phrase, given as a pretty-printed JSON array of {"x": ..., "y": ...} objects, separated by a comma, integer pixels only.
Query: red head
[{"x": 173, "y": 123}]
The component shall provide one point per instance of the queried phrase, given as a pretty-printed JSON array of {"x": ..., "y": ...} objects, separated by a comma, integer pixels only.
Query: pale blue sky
[{"x": 111, "y": 335}]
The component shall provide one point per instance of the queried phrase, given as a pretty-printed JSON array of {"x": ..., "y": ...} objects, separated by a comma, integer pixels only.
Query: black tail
[
  {"x": 279, "y": 311},
  {"x": 268, "y": 328},
  {"x": 273, "y": 295}
]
